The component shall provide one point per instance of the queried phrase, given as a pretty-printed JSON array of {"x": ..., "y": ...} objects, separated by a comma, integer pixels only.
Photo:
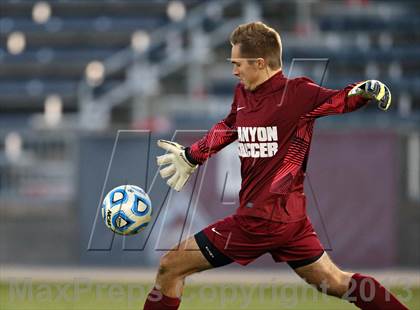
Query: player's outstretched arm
[
  {"x": 220, "y": 135},
  {"x": 348, "y": 99},
  {"x": 183, "y": 161},
  {"x": 374, "y": 90},
  {"x": 179, "y": 168}
]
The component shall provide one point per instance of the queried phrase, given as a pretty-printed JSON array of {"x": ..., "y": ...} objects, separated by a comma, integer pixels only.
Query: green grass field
[{"x": 83, "y": 294}]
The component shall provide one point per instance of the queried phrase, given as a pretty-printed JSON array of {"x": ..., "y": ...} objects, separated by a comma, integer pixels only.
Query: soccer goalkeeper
[{"x": 272, "y": 118}]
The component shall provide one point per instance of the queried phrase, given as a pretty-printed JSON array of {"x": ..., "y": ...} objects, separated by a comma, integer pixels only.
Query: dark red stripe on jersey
[
  {"x": 292, "y": 111},
  {"x": 218, "y": 137}
]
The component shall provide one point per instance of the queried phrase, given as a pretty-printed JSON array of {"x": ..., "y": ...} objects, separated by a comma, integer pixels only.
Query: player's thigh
[
  {"x": 184, "y": 259},
  {"x": 324, "y": 272}
]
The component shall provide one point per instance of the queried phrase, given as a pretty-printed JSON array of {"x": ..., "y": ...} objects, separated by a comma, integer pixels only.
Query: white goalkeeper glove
[
  {"x": 375, "y": 90},
  {"x": 179, "y": 169}
]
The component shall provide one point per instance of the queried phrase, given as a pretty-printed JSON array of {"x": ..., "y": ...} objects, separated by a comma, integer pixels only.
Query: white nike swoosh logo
[
  {"x": 240, "y": 108},
  {"x": 215, "y": 231}
]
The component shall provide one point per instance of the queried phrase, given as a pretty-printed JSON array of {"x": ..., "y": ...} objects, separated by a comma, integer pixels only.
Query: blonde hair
[{"x": 257, "y": 40}]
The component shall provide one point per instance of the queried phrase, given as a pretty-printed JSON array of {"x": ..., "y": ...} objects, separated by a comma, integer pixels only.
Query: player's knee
[{"x": 168, "y": 265}]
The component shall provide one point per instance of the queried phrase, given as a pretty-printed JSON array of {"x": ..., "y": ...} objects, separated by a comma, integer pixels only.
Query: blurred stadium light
[
  {"x": 176, "y": 11},
  {"x": 16, "y": 43},
  {"x": 41, "y": 12},
  {"x": 13, "y": 146},
  {"x": 95, "y": 72},
  {"x": 140, "y": 41},
  {"x": 53, "y": 111}
]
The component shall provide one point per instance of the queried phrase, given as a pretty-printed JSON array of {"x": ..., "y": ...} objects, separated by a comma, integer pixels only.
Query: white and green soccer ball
[{"x": 127, "y": 209}]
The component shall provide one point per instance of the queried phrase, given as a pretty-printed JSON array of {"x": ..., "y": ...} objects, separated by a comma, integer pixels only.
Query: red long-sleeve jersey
[{"x": 273, "y": 125}]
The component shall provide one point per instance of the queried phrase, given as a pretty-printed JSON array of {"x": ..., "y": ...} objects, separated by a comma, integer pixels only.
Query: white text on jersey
[{"x": 257, "y": 141}]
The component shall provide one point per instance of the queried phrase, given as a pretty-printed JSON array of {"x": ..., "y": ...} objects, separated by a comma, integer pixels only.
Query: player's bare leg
[
  {"x": 179, "y": 263},
  {"x": 174, "y": 267},
  {"x": 364, "y": 291},
  {"x": 326, "y": 276}
]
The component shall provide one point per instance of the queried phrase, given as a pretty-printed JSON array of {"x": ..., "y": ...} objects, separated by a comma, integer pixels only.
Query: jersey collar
[{"x": 269, "y": 85}]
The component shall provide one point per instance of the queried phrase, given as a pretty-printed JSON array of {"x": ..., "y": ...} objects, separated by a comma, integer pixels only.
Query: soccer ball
[{"x": 127, "y": 209}]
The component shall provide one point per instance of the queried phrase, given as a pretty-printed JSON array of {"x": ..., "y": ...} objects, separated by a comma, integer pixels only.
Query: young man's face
[{"x": 247, "y": 71}]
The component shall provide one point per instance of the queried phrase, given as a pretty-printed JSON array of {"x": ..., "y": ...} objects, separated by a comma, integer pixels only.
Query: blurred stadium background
[{"x": 86, "y": 88}]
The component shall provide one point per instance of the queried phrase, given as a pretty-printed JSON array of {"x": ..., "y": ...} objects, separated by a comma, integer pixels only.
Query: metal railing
[
  {"x": 41, "y": 171},
  {"x": 143, "y": 77}
]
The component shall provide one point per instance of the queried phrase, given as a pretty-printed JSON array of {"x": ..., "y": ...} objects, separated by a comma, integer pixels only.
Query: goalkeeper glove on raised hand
[
  {"x": 375, "y": 90},
  {"x": 179, "y": 168}
]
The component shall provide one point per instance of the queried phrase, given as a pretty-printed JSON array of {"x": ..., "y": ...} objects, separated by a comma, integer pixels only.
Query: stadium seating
[
  {"x": 57, "y": 51},
  {"x": 359, "y": 41}
]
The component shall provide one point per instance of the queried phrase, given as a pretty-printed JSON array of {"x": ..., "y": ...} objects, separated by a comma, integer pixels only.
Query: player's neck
[{"x": 265, "y": 76}]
